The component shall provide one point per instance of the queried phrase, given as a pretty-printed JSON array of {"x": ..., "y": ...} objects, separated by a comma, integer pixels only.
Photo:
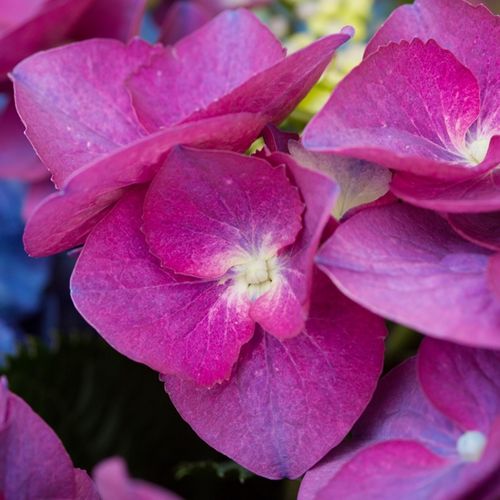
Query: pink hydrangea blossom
[
  {"x": 409, "y": 265},
  {"x": 430, "y": 80},
  {"x": 432, "y": 430},
  {"x": 102, "y": 115},
  {"x": 34, "y": 463},
  {"x": 207, "y": 277}
]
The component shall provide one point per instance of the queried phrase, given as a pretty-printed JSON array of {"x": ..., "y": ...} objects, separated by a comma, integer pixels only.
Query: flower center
[
  {"x": 476, "y": 150},
  {"x": 470, "y": 445},
  {"x": 256, "y": 276}
]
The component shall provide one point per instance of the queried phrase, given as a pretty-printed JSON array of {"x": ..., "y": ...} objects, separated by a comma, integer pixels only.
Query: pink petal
[
  {"x": 34, "y": 25},
  {"x": 289, "y": 402},
  {"x": 406, "y": 107},
  {"x": 359, "y": 182},
  {"x": 291, "y": 78},
  {"x": 65, "y": 218},
  {"x": 181, "y": 19},
  {"x": 284, "y": 309},
  {"x": 17, "y": 158},
  {"x": 74, "y": 103},
  {"x": 393, "y": 469},
  {"x": 235, "y": 46},
  {"x": 470, "y": 33},
  {"x": 482, "y": 229},
  {"x": 33, "y": 461},
  {"x": 479, "y": 194},
  {"x": 461, "y": 382},
  {"x": 113, "y": 482},
  {"x": 207, "y": 211},
  {"x": 194, "y": 329},
  {"x": 408, "y": 265},
  {"x": 118, "y": 19}
]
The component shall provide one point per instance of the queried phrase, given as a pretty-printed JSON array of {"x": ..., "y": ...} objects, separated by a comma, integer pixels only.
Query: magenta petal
[
  {"x": 33, "y": 461},
  {"x": 182, "y": 18},
  {"x": 393, "y": 469},
  {"x": 421, "y": 103},
  {"x": 479, "y": 194},
  {"x": 482, "y": 229},
  {"x": 35, "y": 25},
  {"x": 463, "y": 383},
  {"x": 118, "y": 19},
  {"x": 289, "y": 402},
  {"x": 113, "y": 483},
  {"x": 291, "y": 78},
  {"x": 17, "y": 158},
  {"x": 470, "y": 33},
  {"x": 207, "y": 211},
  {"x": 234, "y": 46},
  {"x": 74, "y": 103},
  {"x": 193, "y": 329},
  {"x": 64, "y": 219},
  {"x": 284, "y": 309},
  {"x": 408, "y": 264}
]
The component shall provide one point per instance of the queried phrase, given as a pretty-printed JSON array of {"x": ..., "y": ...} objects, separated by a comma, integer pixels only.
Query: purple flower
[
  {"x": 409, "y": 265},
  {"x": 207, "y": 277},
  {"x": 34, "y": 463},
  {"x": 432, "y": 430},
  {"x": 102, "y": 115},
  {"x": 425, "y": 102}
]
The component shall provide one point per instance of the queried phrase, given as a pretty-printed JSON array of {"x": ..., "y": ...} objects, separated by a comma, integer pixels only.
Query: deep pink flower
[
  {"x": 409, "y": 265},
  {"x": 207, "y": 279},
  {"x": 102, "y": 115},
  {"x": 34, "y": 463},
  {"x": 425, "y": 102},
  {"x": 431, "y": 431}
]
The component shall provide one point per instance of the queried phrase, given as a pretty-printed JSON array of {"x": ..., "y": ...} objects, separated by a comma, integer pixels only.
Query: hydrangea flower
[
  {"x": 34, "y": 463},
  {"x": 409, "y": 265},
  {"x": 432, "y": 430},
  {"x": 430, "y": 80},
  {"x": 207, "y": 277},
  {"x": 102, "y": 115}
]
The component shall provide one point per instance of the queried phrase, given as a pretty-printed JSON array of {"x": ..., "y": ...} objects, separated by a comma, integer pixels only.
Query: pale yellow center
[
  {"x": 256, "y": 276},
  {"x": 476, "y": 150}
]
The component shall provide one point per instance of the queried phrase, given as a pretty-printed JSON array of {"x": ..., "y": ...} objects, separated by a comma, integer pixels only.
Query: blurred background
[{"x": 98, "y": 402}]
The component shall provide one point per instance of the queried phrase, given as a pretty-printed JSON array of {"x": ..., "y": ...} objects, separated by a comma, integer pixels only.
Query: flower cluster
[{"x": 256, "y": 284}]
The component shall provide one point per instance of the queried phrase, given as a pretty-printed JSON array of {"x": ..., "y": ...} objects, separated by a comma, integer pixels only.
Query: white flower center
[
  {"x": 476, "y": 150},
  {"x": 470, "y": 445},
  {"x": 256, "y": 276}
]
